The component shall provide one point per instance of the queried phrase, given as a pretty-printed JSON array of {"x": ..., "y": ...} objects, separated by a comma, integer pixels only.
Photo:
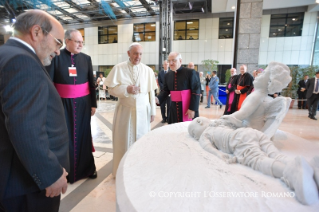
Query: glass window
[
  {"x": 286, "y": 25},
  {"x": 226, "y": 26},
  {"x": 82, "y": 33},
  {"x": 144, "y": 32},
  {"x": 107, "y": 34},
  {"x": 186, "y": 30}
]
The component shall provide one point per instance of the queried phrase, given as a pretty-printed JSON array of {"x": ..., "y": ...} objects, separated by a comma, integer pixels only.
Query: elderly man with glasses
[
  {"x": 183, "y": 85},
  {"x": 72, "y": 74}
]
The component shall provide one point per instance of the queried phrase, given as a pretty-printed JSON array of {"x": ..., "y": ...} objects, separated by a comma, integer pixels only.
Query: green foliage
[
  {"x": 227, "y": 75},
  {"x": 106, "y": 72},
  {"x": 210, "y": 65}
]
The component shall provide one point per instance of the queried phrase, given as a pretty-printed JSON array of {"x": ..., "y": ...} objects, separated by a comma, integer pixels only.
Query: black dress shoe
[
  {"x": 312, "y": 117},
  {"x": 163, "y": 121},
  {"x": 220, "y": 106},
  {"x": 94, "y": 175},
  {"x": 207, "y": 107}
]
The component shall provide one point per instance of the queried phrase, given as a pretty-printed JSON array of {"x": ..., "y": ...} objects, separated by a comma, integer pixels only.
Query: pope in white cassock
[{"x": 133, "y": 83}]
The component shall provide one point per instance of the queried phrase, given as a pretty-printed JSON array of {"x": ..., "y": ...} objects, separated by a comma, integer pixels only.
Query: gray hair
[
  {"x": 67, "y": 34},
  {"x": 134, "y": 44},
  {"x": 178, "y": 55},
  {"x": 25, "y": 21}
]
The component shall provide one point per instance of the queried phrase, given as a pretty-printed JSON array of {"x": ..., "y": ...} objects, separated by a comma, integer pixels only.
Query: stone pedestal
[{"x": 250, "y": 16}]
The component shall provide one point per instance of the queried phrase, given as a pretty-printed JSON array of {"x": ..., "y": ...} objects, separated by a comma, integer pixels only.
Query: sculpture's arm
[{"x": 204, "y": 141}]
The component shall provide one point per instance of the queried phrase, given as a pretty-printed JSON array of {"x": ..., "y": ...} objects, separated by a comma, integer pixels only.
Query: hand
[
  {"x": 152, "y": 118},
  {"x": 59, "y": 186},
  {"x": 227, "y": 91},
  {"x": 275, "y": 95},
  {"x": 190, "y": 113},
  {"x": 93, "y": 109},
  {"x": 132, "y": 89},
  {"x": 227, "y": 158}
]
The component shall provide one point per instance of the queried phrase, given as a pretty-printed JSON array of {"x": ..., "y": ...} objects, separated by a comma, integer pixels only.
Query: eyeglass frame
[
  {"x": 77, "y": 42},
  {"x": 56, "y": 40}
]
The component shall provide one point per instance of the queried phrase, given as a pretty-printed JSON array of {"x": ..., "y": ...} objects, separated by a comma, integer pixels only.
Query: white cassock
[{"x": 133, "y": 112}]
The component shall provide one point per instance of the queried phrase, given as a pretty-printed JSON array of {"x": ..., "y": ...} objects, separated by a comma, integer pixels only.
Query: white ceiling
[{"x": 219, "y": 6}]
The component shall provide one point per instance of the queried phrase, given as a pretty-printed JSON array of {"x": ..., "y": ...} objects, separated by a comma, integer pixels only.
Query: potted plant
[{"x": 209, "y": 65}]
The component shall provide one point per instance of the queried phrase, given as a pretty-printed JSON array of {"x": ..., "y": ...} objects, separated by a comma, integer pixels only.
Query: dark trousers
[
  {"x": 313, "y": 104},
  {"x": 166, "y": 103},
  {"x": 302, "y": 100},
  {"x": 33, "y": 202},
  {"x": 202, "y": 95}
]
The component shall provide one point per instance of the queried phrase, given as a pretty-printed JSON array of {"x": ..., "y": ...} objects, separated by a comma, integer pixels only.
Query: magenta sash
[
  {"x": 183, "y": 96},
  {"x": 72, "y": 91},
  {"x": 230, "y": 98}
]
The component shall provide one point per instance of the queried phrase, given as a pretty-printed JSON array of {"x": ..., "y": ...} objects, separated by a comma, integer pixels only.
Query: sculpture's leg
[
  {"x": 298, "y": 175},
  {"x": 315, "y": 166}
]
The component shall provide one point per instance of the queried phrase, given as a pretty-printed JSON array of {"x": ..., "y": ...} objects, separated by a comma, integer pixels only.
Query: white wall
[
  {"x": 208, "y": 46},
  {"x": 288, "y": 50},
  {"x": 114, "y": 53}
]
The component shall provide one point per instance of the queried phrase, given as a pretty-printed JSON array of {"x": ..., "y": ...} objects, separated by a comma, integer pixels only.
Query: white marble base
[{"x": 167, "y": 170}]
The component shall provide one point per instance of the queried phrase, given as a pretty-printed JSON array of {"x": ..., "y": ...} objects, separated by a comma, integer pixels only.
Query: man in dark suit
[
  {"x": 167, "y": 102},
  {"x": 302, "y": 100},
  {"x": 34, "y": 137},
  {"x": 312, "y": 87}
]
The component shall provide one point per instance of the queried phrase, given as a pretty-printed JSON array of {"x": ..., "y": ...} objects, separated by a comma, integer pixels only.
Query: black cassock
[
  {"x": 182, "y": 79},
  {"x": 77, "y": 111},
  {"x": 231, "y": 87}
]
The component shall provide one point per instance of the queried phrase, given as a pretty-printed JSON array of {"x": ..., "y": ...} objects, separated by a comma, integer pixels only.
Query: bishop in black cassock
[
  {"x": 180, "y": 79},
  {"x": 77, "y": 108}
]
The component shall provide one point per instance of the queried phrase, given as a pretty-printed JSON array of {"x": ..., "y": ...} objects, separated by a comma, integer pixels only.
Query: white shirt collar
[{"x": 23, "y": 42}]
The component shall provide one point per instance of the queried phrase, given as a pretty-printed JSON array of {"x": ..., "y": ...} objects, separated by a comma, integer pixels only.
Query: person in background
[
  {"x": 34, "y": 137},
  {"x": 302, "y": 92},
  {"x": 312, "y": 88},
  {"x": 72, "y": 74},
  {"x": 166, "y": 103},
  {"x": 192, "y": 66},
  {"x": 244, "y": 82},
  {"x": 213, "y": 86},
  {"x": 207, "y": 79},
  {"x": 231, "y": 104}
]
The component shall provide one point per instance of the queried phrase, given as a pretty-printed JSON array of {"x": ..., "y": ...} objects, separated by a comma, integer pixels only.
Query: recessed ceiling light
[
  {"x": 233, "y": 7},
  {"x": 228, "y": 23}
]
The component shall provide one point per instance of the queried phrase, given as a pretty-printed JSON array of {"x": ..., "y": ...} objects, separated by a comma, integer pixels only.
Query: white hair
[
  {"x": 134, "y": 44},
  {"x": 178, "y": 55}
]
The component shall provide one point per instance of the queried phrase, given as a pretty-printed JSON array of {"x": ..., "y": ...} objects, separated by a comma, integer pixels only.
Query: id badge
[{"x": 72, "y": 72}]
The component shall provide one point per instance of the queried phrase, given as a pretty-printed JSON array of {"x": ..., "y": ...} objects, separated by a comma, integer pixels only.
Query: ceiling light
[
  {"x": 153, "y": 25},
  {"x": 226, "y": 30},
  {"x": 317, "y": 1},
  {"x": 279, "y": 30},
  {"x": 203, "y": 10},
  {"x": 233, "y": 7},
  {"x": 274, "y": 33},
  {"x": 228, "y": 23},
  {"x": 189, "y": 22}
]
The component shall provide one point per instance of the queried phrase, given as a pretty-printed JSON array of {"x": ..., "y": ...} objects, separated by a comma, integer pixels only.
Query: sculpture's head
[
  {"x": 197, "y": 127},
  {"x": 274, "y": 78}
]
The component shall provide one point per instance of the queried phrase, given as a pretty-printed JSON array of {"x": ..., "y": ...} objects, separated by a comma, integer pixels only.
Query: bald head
[
  {"x": 243, "y": 69},
  {"x": 191, "y": 65},
  {"x": 42, "y": 31},
  {"x": 175, "y": 60}
]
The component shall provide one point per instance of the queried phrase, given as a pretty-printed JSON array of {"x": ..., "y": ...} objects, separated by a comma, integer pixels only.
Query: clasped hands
[
  {"x": 132, "y": 89},
  {"x": 237, "y": 92}
]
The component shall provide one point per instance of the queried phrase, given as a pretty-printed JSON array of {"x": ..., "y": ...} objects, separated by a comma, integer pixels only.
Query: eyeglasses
[
  {"x": 172, "y": 61},
  {"x": 77, "y": 42},
  {"x": 58, "y": 41}
]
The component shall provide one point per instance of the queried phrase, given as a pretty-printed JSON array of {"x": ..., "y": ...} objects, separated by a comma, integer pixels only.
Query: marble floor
[{"x": 99, "y": 194}]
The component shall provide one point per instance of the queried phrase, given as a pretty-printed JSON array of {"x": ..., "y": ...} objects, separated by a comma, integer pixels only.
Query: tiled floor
[{"x": 99, "y": 194}]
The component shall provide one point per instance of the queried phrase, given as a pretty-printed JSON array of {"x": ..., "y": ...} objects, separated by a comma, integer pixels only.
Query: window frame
[
  {"x": 186, "y": 29},
  {"x": 230, "y": 28},
  {"x": 272, "y": 26},
  {"x": 107, "y": 34},
  {"x": 144, "y": 32}
]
